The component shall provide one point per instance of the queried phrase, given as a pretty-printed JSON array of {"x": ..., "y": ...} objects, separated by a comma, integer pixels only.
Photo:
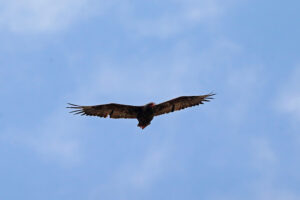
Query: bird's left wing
[
  {"x": 180, "y": 103},
  {"x": 113, "y": 110}
]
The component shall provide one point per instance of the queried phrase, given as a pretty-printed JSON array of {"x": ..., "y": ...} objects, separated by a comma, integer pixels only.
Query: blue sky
[{"x": 245, "y": 144}]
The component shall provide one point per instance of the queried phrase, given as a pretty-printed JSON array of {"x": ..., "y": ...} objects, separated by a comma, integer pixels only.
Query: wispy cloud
[
  {"x": 27, "y": 16},
  {"x": 134, "y": 176},
  {"x": 178, "y": 16},
  {"x": 244, "y": 84},
  {"x": 269, "y": 192},
  {"x": 34, "y": 16},
  {"x": 264, "y": 156},
  {"x": 144, "y": 173},
  {"x": 288, "y": 100},
  {"x": 53, "y": 139},
  {"x": 267, "y": 183},
  {"x": 57, "y": 139}
]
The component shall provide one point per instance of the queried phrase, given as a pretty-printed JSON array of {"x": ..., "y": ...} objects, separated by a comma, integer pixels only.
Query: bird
[{"x": 144, "y": 114}]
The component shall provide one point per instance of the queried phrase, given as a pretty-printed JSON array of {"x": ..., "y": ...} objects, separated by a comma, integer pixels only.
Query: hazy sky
[{"x": 245, "y": 144}]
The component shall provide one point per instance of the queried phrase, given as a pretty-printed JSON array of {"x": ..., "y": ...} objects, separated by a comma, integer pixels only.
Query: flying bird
[{"x": 144, "y": 114}]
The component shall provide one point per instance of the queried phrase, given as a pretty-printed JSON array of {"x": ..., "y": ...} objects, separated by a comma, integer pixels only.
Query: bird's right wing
[
  {"x": 113, "y": 110},
  {"x": 180, "y": 103}
]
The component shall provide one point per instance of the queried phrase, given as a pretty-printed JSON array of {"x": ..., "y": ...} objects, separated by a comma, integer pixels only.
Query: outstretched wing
[
  {"x": 180, "y": 103},
  {"x": 113, "y": 110}
]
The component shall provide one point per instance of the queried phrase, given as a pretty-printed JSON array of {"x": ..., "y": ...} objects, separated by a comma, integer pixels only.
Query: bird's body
[{"x": 144, "y": 114}]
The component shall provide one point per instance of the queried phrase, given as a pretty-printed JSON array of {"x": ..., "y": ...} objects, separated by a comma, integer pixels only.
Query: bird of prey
[{"x": 144, "y": 114}]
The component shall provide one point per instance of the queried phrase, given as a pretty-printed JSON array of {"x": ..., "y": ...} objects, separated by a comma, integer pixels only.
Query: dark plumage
[{"x": 144, "y": 114}]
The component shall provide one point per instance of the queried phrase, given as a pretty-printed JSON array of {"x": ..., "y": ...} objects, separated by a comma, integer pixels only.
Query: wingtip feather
[
  {"x": 209, "y": 96},
  {"x": 73, "y": 106}
]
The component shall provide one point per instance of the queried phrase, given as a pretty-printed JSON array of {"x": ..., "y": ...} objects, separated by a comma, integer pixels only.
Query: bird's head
[{"x": 150, "y": 105}]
